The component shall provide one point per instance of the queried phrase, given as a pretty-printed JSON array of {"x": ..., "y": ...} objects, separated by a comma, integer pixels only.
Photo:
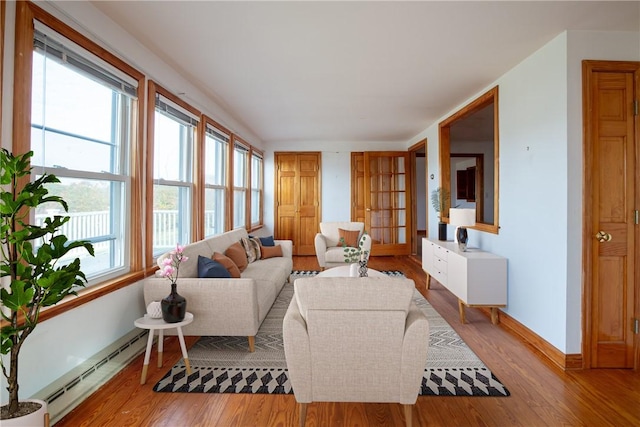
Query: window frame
[
  {"x": 26, "y": 14},
  {"x": 260, "y": 189},
  {"x": 195, "y": 201},
  {"x": 209, "y": 122},
  {"x": 238, "y": 142}
]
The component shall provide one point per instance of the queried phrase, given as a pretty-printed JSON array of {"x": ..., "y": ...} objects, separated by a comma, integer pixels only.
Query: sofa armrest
[
  {"x": 297, "y": 350},
  {"x": 287, "y": 247},
  {"x": 414, "y": 354},
  {"x": 320, "y": 243}
]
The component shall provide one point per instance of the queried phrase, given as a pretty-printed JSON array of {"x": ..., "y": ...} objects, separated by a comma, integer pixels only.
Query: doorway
[
  {"x": 419, "y": 211},
  {"x": 611, "y": 234}
]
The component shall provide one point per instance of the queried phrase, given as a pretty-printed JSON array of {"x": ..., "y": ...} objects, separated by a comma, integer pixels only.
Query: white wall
[{"x": 540, "y": 204}]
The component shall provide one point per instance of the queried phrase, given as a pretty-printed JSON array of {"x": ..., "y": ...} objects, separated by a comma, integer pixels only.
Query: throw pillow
[
  {"x": 251, "y": 246},
  {"x": 208, "y": 268},
  {"x": 267, "y": 241},
  {"x": 350, "y": 237},
  {"x": 227, "y": 263},
  {"x": 238, "y": 255},
  {"x": 271, "y": 251}
]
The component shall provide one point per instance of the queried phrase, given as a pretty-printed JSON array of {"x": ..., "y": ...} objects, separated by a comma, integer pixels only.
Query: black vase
[
  {"x": 442, "y": 231},
  {"x": 174, "y": 306}
]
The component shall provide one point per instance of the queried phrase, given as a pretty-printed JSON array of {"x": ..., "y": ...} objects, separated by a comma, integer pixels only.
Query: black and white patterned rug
[{"x": 224, "y": 364}]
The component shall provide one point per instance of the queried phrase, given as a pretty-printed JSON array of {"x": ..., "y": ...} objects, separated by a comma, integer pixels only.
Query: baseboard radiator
[{"x": 70, "y": 390}]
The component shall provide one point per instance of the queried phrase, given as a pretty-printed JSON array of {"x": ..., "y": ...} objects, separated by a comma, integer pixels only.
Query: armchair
[
  {"x": 329, "y": 251},
  {"x": 355, "y": 340}
]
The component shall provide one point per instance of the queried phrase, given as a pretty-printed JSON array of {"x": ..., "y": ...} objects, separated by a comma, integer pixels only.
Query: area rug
[{"x": 224, "y": 364}]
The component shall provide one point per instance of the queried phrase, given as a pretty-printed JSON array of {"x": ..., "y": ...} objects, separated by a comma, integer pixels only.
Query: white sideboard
[{"x": 475, "y": 277}]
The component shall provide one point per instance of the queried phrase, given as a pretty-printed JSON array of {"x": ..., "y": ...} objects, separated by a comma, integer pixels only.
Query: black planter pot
[
  {"x": 442, "y": 231},
  {"x": 174, "y": 306}
]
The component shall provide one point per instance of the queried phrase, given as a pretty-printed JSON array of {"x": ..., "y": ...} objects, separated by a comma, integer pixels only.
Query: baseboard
[
  {"x": 566, "y": 362},
  {"x": 70, "y": 390}
]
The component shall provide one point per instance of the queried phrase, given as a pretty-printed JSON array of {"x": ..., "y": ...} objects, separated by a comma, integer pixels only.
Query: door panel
[
  {"x": 298, "y": 199},
  {"x": 387, "y": 199},
  {"x": 611, "y": 180},
  {"x": 357, "y": 187}
]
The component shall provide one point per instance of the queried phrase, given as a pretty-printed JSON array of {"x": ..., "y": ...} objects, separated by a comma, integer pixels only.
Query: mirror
[{"x": 469, "y": 160}]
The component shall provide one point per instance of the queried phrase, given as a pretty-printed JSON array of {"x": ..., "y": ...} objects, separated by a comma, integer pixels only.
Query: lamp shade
[{"x": 462, "y": 217}]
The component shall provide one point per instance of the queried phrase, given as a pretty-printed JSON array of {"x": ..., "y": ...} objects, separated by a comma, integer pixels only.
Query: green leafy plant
[
  {"x": 30, "y": 259},
  {"x": 440, "y": 200}
]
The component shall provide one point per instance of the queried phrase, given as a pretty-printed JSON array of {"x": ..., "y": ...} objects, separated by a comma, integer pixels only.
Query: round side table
[{"x": 160, "y": 325}]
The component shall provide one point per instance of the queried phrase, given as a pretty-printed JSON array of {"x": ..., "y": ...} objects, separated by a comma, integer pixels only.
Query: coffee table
[{"x": 346, "y": 271}]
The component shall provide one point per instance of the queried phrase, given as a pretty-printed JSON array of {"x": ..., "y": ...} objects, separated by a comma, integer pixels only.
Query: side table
[{"x": 160, "y": 325}]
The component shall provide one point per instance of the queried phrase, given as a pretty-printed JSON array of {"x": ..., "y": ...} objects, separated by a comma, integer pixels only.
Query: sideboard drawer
[
  {"x": 441, "y": 252},
  {"x": 439, "y": 264},
  {"x": 440, "y": 276}
]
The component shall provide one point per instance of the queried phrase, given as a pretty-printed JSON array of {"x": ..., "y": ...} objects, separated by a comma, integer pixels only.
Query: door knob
[{"x": 603, "y": 237}]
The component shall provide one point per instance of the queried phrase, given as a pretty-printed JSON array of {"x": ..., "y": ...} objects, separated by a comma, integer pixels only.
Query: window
[
  {"x": 174, "y": 130},
  {"x": 83, "y": 115},
  {"x": 215, "y": 180},
  {"x": 256, "y": 188},
  {"x": 240, "y": 184}
]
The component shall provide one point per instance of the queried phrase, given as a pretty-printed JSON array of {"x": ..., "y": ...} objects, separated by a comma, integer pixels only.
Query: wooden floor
[{"x": 541, "y": 395}]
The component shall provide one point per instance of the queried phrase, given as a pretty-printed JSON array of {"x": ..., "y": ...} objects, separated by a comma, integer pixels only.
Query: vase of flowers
[{"x": 174, "y": 305}]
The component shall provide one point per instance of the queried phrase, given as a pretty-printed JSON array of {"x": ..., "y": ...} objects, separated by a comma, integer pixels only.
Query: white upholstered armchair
[
  {"x": 329, "y": 250},
  {"x": 352, "y": 339}
]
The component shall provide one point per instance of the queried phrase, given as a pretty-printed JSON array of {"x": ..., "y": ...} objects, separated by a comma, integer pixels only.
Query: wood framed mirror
[{"x": 469, "y": 151}]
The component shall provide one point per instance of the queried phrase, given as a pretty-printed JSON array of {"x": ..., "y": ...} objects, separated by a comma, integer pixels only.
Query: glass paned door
[{"x": 387, "y": 201}]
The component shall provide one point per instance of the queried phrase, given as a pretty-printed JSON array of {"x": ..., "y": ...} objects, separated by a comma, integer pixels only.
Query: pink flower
[{"x": 171, "y": 264}]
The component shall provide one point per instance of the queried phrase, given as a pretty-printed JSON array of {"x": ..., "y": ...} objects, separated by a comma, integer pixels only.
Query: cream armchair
[
  {"x": 329, "y": 251},
  {"x": 350, "y": 339}
]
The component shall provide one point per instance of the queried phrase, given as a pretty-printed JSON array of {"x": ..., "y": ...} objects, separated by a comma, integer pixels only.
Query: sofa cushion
[
  {"x": 271, "y": 251},
  {"x": 267, "y": 241},
  {"x": 350, "y": 237},
  {"x": 238, "y": 255},
  {"x": 209, "y": 268},
  {"x": 227, "y": 263}
]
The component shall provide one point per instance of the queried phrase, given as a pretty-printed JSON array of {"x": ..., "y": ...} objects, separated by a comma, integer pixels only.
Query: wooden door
[
  {"x": 611, "y": 203},
  {"x": 357, "y": 187},
  {"x": 387, "y": 199},
  {"x": 298, "y": 200}
]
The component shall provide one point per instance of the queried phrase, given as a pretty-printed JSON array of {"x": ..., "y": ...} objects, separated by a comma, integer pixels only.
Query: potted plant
[
  {"x": 439, "y": 201},
  {"x": 31, "y": 270},
  {"x": 357, "y": 255}
]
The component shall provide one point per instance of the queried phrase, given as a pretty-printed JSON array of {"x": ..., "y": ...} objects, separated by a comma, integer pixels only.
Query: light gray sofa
[{"x": 225, "y": 307}]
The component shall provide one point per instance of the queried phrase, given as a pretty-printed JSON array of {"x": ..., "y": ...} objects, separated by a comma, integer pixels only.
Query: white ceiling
[{"x": 351, "y": 71}]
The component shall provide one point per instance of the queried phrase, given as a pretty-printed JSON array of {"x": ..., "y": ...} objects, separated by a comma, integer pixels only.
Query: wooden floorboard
[{"x": 541, "y": 393}]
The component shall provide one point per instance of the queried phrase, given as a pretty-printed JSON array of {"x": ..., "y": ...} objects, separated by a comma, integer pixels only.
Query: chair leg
[
  {"x": 252, "y": 343},
  {"x": 408, "y": 415},
  {"x": 303, "y": 414}
]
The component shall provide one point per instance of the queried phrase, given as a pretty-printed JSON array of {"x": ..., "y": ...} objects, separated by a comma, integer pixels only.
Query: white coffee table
[
  {"x": 160, "y": 325},
  {"x": 345, "y": 271}
]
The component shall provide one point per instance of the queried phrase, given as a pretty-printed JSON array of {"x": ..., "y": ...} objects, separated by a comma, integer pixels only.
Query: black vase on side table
[
  {"x": 174, "y": 306},
  {"x": 442, "y": 231}
]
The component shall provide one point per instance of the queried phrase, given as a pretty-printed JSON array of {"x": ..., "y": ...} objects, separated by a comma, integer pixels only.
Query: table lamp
[{"x": 462, "y": 218}]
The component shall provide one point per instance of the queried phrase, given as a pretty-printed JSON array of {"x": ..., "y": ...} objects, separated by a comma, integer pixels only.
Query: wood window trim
[
  {"x": 26, "y": 13},
  {"x": 445, "y": 151},
  {"x": 197, "y": 202},
  {"x": 200, "y": 170}
]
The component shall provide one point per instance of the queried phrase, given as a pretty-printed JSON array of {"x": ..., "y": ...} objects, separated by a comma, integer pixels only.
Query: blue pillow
[
  {"x": 208, "y": 268},
  {"x": 267, "y": 241}
]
